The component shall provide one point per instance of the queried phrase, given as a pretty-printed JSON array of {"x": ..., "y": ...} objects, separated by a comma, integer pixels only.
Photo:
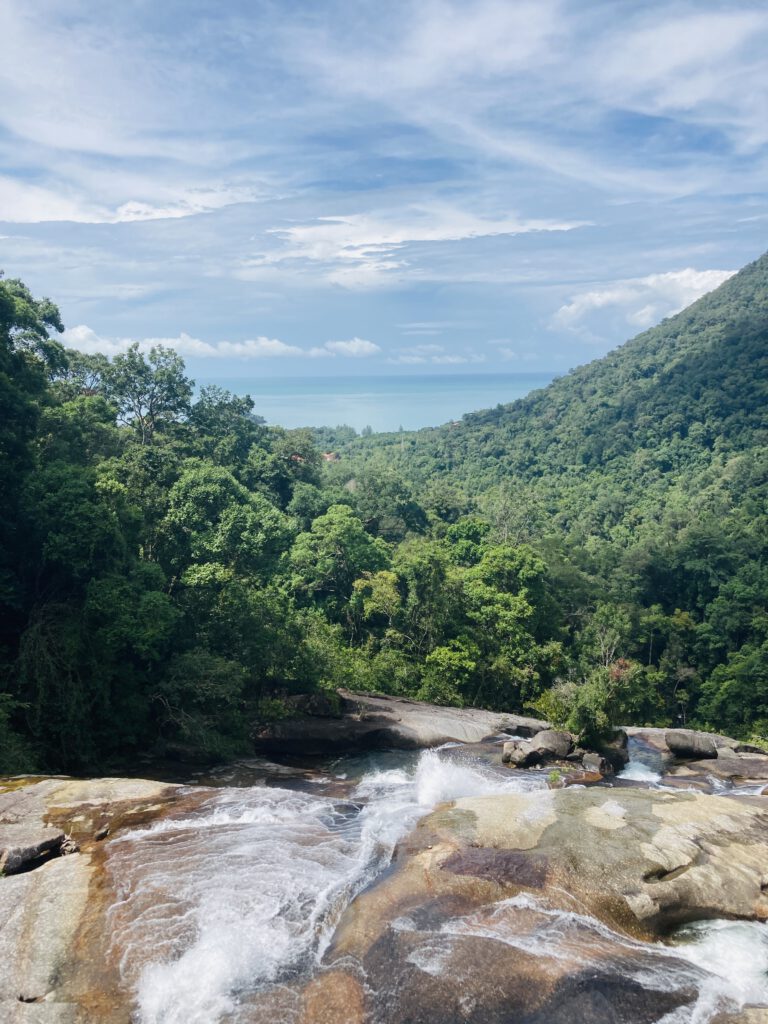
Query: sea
[{"x": 383, "y": 403}]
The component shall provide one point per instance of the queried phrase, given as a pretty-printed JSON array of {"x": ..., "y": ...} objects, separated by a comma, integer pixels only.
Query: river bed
[{"x": 223, "y": 915}]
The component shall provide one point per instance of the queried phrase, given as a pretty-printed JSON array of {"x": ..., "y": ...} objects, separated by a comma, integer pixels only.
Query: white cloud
[
  {"x": 406, "y": 359},
  {"x": 85, "y": 339},
  {"x": 450, "y": 359},
  {"x": 642, "y": 300},
  {"x": 355, "y": 347},
  {"x": 435, "y": 354}
]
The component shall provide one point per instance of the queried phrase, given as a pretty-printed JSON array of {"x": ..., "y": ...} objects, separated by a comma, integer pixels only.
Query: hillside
[
  {"x": 174, "y": 574},
  {"x": 677, "y": 398}
]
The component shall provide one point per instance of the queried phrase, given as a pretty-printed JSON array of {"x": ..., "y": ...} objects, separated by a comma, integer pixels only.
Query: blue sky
[{"x": 320, "y": 188}]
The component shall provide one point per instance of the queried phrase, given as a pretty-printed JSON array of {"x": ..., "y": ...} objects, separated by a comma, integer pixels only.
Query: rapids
[{"x": 241, "y": 897}]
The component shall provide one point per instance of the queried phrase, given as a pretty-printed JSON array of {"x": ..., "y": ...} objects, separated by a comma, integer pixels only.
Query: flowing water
[{"x": 241, "y": 897}]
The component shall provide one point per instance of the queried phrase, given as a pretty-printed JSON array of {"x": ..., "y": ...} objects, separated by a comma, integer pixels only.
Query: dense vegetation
[{"x": 172, "y": 570}]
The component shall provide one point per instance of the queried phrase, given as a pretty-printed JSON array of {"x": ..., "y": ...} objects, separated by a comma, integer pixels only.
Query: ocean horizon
[{"x": 384, "y": 403}]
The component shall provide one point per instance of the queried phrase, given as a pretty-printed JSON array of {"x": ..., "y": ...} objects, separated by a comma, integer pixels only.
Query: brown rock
[{"x": 334, "y": 997}]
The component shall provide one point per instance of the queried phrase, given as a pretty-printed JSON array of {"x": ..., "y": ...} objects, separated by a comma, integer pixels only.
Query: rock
[
  {"x": 370, "y": 722},
  {"x": 654, "y": 738},
  {"x": 585, "y": 778},
  {"x": 21, "y": 844},
  {"x": 552, "y": 743},
  {"x": 593, "y": 762},
  {"x": 492, "y": 909},
  {"x": 334, "y": 997},
  {"x": 40, "y": 912},
  {"x": 615, "y": 751},
  {"x": 749, "y": 1015},
  {"x": 688, "y": 743},
  {"x": 641, "y": 861},
  {"x": 520, "y": 754},
  {"x": 730, "y": 765},
  {"x": 53, "y": 934}
]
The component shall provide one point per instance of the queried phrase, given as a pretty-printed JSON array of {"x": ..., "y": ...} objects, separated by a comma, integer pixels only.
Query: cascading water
[
  {"x": 247, "y": 891},
  {"x": 242, "y": 897}
]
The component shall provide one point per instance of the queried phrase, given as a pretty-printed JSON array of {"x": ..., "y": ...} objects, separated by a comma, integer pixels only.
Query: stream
[{"x": 222, "y": 916}]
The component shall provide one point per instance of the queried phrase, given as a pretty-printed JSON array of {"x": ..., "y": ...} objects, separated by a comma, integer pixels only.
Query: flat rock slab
[
  {"x": 730, "y": 765},
  {"x": 23, "y": 844},
  {"x": 368, "y": 722},
  {"x": 40, "y": 912},
  {"x": 496, "y": 907}
]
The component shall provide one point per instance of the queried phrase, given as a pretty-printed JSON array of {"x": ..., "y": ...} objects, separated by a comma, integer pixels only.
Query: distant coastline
[{"x": 385, "y": 402}]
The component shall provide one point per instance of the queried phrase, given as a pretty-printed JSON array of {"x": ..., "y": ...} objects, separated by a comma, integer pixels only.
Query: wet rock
[
  {"x": 22, "y": 844},
  {"x": 594, "y": 762},
  {"x": 689, "y": 781},
  {"x": 53, "y": 936},
  {"x": 520, "y": 754},
  {"x": 369, "y": 722},
  {"x": 469, "y": 933},
  {"x": 552, "y": 743},
  {"x": 733, "y": 766},
  {"x": 419, "y": 975},
  {"x": 334, "y": 997},
  {"x": 585, "y": 778},
  {"x": 615, "y": 751},
  {"x": 641, "y": 861}
]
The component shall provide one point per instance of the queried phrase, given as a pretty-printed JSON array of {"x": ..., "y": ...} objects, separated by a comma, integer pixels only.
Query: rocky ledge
[
  {"x": 490, "y": 906},
  {"x": 46, "y": 898},
  {"x": 367, "y": 721}
]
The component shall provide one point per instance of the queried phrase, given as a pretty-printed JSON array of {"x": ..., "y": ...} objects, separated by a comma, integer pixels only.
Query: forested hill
[
  {"x": 692, "y": 387},
  {"x": 173, "y": 572}
]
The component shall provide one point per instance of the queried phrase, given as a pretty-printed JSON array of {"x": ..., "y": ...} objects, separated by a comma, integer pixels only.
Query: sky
[{"x": 346, "y": 188}]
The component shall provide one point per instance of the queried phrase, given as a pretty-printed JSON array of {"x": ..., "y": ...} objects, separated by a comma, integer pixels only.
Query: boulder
[
  {"x": 733, "y": 766},
  {"x": 615, "y": 750},
  {"x": 688, "y": 743},
  {"x": 594, "y": 762},
  {"x": 365, "y": 721},
  {"x": 520, "y": 754},
  {"x": 54, "y": 935},
  {"x": 584, "y": 778},
  {"x": 641, "y": 861},
  {"x": 552, "y": 743}
]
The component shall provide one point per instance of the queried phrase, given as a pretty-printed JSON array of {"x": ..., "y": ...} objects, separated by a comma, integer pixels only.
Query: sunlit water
[{"x": 244, "y": 894}]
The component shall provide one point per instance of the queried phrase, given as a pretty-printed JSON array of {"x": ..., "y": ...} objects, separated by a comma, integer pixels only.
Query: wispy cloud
[
  {"x": 367, "y": 250},
  {"x": 26, "y": 203},
  {"x": 451, "y": 170}
]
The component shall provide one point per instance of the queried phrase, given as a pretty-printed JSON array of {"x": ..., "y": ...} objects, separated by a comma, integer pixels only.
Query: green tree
[{"x": 150, "y": 391}]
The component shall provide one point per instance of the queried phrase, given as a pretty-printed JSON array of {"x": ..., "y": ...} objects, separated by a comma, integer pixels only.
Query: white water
[
  {"x": 639, "y": 772},
  {"x": 726, "y": 962},
  {"x": 247, "y": 891}
]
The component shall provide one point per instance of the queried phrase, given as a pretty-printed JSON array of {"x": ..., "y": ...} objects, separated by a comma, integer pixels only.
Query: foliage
[{"x": 173, "y": 571}]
